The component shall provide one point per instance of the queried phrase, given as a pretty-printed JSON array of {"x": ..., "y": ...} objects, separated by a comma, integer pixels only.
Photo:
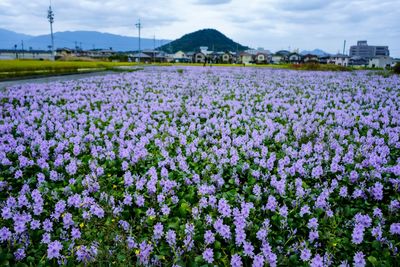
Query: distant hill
[
  {"x": 214, "y": 39},
  {"x": 70, "y": 39},
  {"x": 9, "y": 38},
  {"x": 316, "y": 52}
]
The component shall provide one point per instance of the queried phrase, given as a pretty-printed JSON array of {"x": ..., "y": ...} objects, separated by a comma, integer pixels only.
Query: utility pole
[
  {"x": 139, "y": 26},
  {"x": 344, "y": 46},
  {"x": 50, "y": 17},
  {"x": 15, "y": 49},
  {"x": 22, "y": 45},
  {"x": 154, "y": 48}
]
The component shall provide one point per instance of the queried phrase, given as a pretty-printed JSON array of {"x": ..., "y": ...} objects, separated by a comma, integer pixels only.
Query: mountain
[
  {"x": 316, "y": 52},
  {"x": 9, "y": 38},
  {"x": 214, "y": 39},
  {"x": 83, "y": 39}
]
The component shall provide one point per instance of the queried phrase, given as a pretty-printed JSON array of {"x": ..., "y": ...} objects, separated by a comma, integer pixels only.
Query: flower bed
[{"x": 219, "y": 166}]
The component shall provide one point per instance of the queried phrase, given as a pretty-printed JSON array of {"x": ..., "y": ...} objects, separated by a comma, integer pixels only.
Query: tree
[{"x": 396, "y": 68}]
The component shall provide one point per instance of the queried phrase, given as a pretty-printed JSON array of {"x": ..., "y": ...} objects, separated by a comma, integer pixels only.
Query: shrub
[{"x": 396, "y": 68}]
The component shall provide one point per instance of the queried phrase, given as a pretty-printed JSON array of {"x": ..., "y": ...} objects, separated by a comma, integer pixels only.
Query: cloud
[
  {"x": 273, "y": 24},
  {"x": 212, "y": 2},
  {"x": 300, "y": 5}
]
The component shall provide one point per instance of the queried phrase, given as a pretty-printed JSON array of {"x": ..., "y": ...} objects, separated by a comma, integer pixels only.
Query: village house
[
  {"x": 340, "y": 60},
  {"x": 245, "y": 58},
  {"x": 358, "y": 61},
  {"x": 199, "y": 57},
  {"x": 278, "y": 58},
  {"x": 309, "y": 58},
  {"x": 380, "y": 62},
  {"x": 262, "y": 58},
  {"x": 181, "y": 57},
  {"x": 227, "y": 58},
  {"x": 294, "y": 58},
  {"x": 141, "y": 57}
]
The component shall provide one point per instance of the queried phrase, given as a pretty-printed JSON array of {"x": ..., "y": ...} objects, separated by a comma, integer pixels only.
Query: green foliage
[
  {"x": 214, "y": 39},
  {"x": 396, "y": 68},
  {"x": 319, "y": 67}
]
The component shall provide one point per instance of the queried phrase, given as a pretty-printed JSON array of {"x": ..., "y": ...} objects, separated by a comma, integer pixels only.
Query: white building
[
  {"x": 179, "y": 54},
  {"x": 380, "y": 62},
  {"x": 340, "y": 60}
]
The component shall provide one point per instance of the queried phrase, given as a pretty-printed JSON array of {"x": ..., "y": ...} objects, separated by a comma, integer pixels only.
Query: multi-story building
[{"x": 363, "y": 50}]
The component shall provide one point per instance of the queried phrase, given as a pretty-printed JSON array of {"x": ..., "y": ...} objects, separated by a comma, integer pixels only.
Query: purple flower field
[{"x": 202, "y": 166}]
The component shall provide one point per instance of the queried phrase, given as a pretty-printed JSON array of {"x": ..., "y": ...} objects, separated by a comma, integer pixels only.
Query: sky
[{"x": 271, "y": 24}]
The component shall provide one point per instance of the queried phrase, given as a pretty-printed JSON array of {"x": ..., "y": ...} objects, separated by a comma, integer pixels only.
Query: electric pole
[
  {"x": 154, "y": 48},
  {"x": 139, "y": 26},
  {"x": 50, "y": 17},
  {"x": 344, "y": 46},
  {"x": 22, "y": 45}
]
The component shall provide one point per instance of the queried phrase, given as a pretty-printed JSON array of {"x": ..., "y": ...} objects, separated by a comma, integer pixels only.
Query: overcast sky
[{"x": 272, "y": 24}]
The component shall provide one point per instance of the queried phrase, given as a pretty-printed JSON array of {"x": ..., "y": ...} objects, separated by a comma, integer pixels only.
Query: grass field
[{"x": 23, "y": 68}]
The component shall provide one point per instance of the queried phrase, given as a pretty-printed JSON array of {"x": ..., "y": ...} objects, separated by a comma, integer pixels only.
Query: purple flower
[
  {"x": 85, "y": 254},
  {"x": 158, "y": 231},
  {"x": 258, "y": 261},
  {"x": 359, "y": 260},
  {"x": 19, "y": 254},
  {"x": 209, "y": 237},
  {"x": 305, "y": 254},
  {"x": 5, "y": 234},
  {"x": 312, "y": 223},
  {"x": 377, "y": 191},
  {"x": 223, "y": 208},
  {"x": 248, "y": 249},
  {"x": 272, "y": 203},
  {"x": 304, "y": 210},
  {"x": 313, "y": 235},
  {"x": 171, "y": 237},
  {"x": 75, "y": 233},
  {"x": 208, "y": 255},
  {"x": 358, "y": 234},
  {"x": 317, "y": 261},
  {"x": 395, "y": 228},
  {"x": 236, "y": 261},
  {"x": 53, "y": 250}
]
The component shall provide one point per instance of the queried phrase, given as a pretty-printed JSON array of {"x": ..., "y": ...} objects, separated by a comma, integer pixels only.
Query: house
[
  {"x": 283, "y": 53},
  {"x": 141, "y": 57},
  {"x": 323, "y": 59},
  {"x": 339, "y": 59},
  {"x": 227, "y": 58},
  {"x": 358, "y": 61},
  {"x": 64, "y": 51},
  {"x": 261, "y": 58},
  {"x": 245, "y": 58},
  {"x": 278, "y": 58},
  {"x": 182, "y": 57},
  {"x": 309, "y": 58},
  {"x": 215, "y": 57},
  {"x": 199, "y": 57},
  {"x": 380, "y": 62},
  {"x": 179, "y": 54},
  {"x": 294, "y": 58}
]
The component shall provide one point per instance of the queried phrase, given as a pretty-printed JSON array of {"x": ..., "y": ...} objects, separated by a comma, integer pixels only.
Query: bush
[{"x": 396, "y": 68}]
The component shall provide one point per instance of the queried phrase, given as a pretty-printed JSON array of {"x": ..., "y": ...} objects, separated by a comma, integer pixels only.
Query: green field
[{"x": 24, "y": 68}]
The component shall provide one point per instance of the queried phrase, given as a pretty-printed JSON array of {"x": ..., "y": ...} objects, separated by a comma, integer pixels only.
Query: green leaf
[{"x": 373, "y": 260}]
